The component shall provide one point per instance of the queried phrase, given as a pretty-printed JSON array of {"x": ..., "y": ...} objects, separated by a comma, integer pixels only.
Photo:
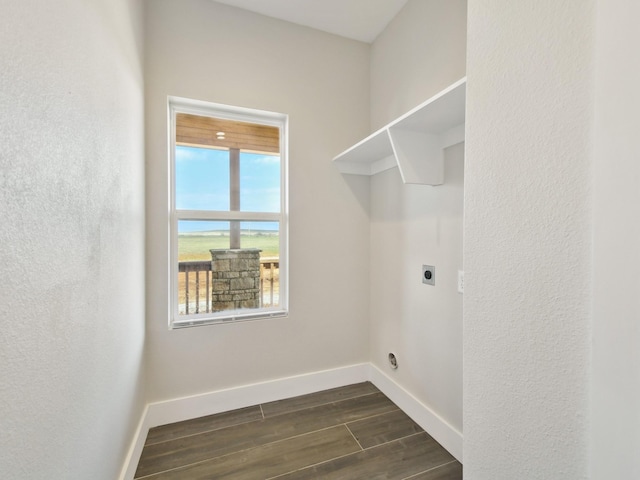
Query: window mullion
[
  {"x": 234, "y": 195},
  {"x": 228, "y": 216}
]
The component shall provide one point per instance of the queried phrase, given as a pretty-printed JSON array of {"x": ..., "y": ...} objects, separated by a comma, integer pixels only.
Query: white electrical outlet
[{"x": 460, "y": 281}]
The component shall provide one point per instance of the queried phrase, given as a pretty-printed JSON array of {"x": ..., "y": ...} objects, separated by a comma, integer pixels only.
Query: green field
[{"x": 196, "y": 246}]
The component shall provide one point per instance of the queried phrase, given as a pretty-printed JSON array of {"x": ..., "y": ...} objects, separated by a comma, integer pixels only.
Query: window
[{"x": 228, "y": 213}]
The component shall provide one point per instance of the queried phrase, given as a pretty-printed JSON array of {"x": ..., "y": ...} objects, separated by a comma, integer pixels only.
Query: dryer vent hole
[{"x": 393, "y": 361}]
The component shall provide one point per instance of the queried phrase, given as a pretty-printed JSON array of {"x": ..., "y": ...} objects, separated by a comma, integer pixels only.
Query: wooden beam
[{"x": 200, "y": 131}]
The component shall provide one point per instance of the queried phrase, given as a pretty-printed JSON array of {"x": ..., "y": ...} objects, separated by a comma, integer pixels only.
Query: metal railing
[{"x": 194, "y": 285}]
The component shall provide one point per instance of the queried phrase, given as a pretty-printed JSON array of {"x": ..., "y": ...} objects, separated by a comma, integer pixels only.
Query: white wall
[
  {"x": 72, "y": 237},
  {"x": 421, "y": 52},
  {"x": 527, "y": 241},
  {"x": 203, "y": 50},
  {"x": 616, "y": 282}
]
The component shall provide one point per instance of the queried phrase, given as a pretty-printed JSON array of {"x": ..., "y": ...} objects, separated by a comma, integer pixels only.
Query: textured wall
[
  {"x": 527, "y": 239},
  {"x": 421, "y": 52},
  {"x": 321, "y": 81},
  {"x": 616, "y": 332},
  {"x": 72, "y": 237}
]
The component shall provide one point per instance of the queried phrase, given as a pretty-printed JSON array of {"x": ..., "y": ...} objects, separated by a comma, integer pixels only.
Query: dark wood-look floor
[{"x": 346, "y": 433}]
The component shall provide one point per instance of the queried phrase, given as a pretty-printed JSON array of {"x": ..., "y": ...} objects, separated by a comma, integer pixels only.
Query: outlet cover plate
[{"x": 428, "y": 274}]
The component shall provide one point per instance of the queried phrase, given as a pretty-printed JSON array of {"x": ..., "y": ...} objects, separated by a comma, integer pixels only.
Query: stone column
[{"x": 235, "y": 277}]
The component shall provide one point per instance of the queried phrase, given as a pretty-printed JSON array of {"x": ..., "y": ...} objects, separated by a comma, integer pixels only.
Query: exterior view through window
[{"x": 228, "y": 213}]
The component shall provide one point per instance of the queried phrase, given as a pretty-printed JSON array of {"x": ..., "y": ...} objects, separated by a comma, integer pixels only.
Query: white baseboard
[
  {"x": 186, "y": 408},
  {"x": 444, "y": 433},
  {"x": 135, "y": 450}
]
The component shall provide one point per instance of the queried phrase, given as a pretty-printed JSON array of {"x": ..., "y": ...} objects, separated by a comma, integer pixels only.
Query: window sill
[{"x": 230, "y": 317}]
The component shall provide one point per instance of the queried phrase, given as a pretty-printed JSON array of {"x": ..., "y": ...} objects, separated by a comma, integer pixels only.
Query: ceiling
[{"x": 357, "y": 19}]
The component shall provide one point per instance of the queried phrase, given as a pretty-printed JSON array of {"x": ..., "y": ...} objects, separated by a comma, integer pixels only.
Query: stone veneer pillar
[{"x": 235, "y": 279}]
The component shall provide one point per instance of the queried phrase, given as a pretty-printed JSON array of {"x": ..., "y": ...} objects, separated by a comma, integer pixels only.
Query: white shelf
[{"x": 414, "y": 142}]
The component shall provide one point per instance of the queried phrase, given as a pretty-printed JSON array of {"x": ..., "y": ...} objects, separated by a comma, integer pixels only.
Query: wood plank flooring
[{"x": 346, "y": 433}]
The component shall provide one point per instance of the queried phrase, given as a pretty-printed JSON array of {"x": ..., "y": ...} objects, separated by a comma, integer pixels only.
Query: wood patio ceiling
[{"x": 201, "y": 131}]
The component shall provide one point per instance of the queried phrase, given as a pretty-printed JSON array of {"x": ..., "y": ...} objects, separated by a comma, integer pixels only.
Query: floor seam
[
  {"x": 391, "y": 441},
  {"x": 322, "y": 404},
  {"x": 347, "y": 455},
  {"x": 429, "y": 470},
  {"x": 203, "y": 432},
  {"x": 374, "y": 416},
  {"x": 353, "y": 436}
]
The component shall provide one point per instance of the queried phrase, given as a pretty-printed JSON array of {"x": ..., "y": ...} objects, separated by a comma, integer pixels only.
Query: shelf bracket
[{"x": 420, "y": 156}]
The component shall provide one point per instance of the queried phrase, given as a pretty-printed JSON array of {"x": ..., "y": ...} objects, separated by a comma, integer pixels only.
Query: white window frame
[{"x": 196, "y": 107}]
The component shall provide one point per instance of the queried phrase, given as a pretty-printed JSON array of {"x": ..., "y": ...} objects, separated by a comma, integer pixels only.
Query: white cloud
[{"x": 268, "y": 159}]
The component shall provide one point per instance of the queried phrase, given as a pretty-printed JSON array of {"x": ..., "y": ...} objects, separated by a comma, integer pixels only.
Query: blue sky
[{"x": 202, "y": 183}]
